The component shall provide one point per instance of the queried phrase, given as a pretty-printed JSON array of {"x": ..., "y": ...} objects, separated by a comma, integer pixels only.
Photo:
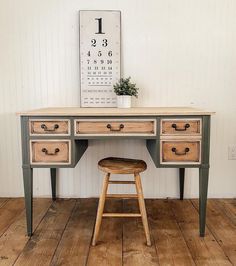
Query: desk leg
[
  {"x": 28, "y": 188},
  {"x": 53, "y": 182},
  {"x": 181, "y": 182},
  {"x": 203, "y": 187}
]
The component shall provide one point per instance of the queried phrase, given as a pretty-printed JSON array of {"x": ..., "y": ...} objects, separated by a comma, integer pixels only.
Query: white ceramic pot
[{"x": 124, "y": 101}]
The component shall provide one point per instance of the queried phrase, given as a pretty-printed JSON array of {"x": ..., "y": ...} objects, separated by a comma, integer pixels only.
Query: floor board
[
  {"x": 108, "y": 250},
  {"x": 168, "y": 239},
  {"x": 205, "y": 251},
  {"x": 135, "y": 250},
  {"x": 3, "y": 201},
  {"x": 9, "y": 213},
  {"x": 228, "y": 207},
  {"x": 222, "y": 227},
  {"x": 40, "y": 249},
  {"x": 64, "y": 229},
  {"x": 14, "y": 239},
  {"x": 75, "y": 243}
]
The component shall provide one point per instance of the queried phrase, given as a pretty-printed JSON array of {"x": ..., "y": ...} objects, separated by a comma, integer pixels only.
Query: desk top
[{"x": 137, "y": 111}]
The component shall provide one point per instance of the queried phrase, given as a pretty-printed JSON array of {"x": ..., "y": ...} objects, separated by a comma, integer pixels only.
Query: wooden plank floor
[{"x": 63, "y": 232}]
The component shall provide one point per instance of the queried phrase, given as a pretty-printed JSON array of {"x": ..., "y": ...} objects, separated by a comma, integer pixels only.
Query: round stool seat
[{"x": 114, "y": 165}]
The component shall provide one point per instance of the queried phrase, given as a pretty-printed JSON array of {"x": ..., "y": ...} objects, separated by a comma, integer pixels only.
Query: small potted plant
[{"x": 124, "y": 90}]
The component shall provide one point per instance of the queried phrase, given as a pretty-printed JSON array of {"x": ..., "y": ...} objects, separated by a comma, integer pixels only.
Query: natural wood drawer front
[
  {"x": 180, "y": 151},
  {"x": 50, "y": 127},
  {"x": 50, "y": 152},
  {"x": 181, "y": 126},
  {"x": 116, "y": 127}
]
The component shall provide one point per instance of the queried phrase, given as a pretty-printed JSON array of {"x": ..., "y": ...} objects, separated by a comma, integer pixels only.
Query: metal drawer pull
[
  {"x": 181, "y": 129},
  {"x": 180, "y": 153},
  {"x": 50, "y": 153},
  {"x": 112, "y": 129},
  {"x": 45, "y": 128}
]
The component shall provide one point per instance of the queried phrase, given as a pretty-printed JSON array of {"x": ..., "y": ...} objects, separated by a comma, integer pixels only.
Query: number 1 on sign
[{"x": 99, "y": 26}]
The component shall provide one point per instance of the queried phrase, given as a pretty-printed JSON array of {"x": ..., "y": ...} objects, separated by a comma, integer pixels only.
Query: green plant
[{"x": 125, "y": 87}]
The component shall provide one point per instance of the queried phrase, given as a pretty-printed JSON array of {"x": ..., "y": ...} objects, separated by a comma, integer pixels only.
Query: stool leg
[
  {"x": 142, "y": 207},
  {"x": 100, "y": 208}
]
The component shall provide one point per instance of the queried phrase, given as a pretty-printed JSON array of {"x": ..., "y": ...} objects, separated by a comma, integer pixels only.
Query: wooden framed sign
[{"x": 99, "y": 57}]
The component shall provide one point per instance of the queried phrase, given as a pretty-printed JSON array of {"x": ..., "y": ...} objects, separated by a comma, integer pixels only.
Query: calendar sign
[{"x": 99, "y": 57}]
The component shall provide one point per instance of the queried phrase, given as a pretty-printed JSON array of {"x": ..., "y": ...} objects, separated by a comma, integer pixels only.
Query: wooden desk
[{"x": 58, "y": 137}]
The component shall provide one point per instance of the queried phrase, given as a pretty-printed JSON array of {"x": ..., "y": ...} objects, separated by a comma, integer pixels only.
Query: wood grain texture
[
  {"x": 40, "y": 248},
  {"x": 75, "y": 243},
  {"x": 228, "y": 206},
  {"x": 142, "y": 208},
  {"x": 204, "y": 251},
  {"x": 47, "y": 127},
  {"x": 3, "y": 201},
  {"x": 222, "y": 227},
  {"x": 167, "y": 236},
  {"x": 50, "y": 151},
  {"x": 100, "y": 210},
  {"x": 108, "y": 250},
  {"x": 64, "y": 233},
  {"x": 115, "y": 127},
  {"x": 121, "y": 182},
  {"x": 13, "y": 241},
  {"x": 194, "y": 127},
  {"x": 135, "y": 250},
  {"x": 141, "y": 111},
  {"x": 9, "y": 213},
  {"x": 115, "y": 165},
  {"x": 180, "y": 154},
  {"x": 125, "y": 196}
]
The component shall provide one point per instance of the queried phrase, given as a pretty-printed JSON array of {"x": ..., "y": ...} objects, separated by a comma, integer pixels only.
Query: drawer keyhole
[
  {"x": 45, "y": 128},
  {"x": 121, "y": 126},
  {"x": 50, "y": 153},
  {"x": 180, "y": 153},
  {"x": 186, "y": 126}
]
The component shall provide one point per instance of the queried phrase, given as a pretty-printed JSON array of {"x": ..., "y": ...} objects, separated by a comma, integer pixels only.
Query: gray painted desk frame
[{"x": 79, "y": 145}]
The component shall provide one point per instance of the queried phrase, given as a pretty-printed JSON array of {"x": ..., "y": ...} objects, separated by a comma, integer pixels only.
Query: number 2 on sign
[{"x": 94, "y": 43}]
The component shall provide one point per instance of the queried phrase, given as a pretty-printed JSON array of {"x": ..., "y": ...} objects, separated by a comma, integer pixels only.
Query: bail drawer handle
[
  {"x": 180, "y": 153},
  {"x": 45, "y": 128},
  {"x": 181, "y": 129},
  {"x": 50, "y": 153},
  {"x": 121, "y": 126}
]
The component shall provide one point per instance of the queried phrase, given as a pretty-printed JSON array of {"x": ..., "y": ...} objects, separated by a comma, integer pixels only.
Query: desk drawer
[
  {"x": 181, "y": 127},
  {"x": 142, "y": 127},
  {"x": 50, "y": 152},
  {"x": 50, "y": 127},
  {"x": 181, "y": 151}
]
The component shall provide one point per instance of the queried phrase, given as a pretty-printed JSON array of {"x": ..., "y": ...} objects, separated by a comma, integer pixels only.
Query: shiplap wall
[{"x": 179, "y": 52}]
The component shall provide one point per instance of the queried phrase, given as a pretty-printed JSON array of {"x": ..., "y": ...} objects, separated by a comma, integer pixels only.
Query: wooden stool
[{"x": 114, "y": 165}]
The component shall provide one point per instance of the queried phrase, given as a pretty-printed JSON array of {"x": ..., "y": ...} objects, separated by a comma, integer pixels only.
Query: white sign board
[{"x": 99, "y": 57}]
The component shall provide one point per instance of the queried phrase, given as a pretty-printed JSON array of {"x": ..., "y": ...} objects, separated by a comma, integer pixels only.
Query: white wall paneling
[{"x": 180, "y": 53}]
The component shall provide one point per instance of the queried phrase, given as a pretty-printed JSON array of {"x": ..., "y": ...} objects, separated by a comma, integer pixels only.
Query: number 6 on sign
[{"x": 100, "y": 49}]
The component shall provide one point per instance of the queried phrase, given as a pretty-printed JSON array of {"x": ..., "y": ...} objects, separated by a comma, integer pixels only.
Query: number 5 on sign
[{"x": 100, "y": 49}]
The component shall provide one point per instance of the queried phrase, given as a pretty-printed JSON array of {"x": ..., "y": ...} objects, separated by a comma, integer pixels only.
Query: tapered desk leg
[
  {"x": 181, "y": 182},
  {"x": 28, "y": 188},
  {"x": 203, "y": 188},
  {"x": 53, "y": 182}
]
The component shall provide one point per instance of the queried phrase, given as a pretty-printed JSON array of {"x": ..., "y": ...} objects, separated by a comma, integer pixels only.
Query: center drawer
[
  {"x": 50, "y": 152},
  {"x": 141, "y": 127}
]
